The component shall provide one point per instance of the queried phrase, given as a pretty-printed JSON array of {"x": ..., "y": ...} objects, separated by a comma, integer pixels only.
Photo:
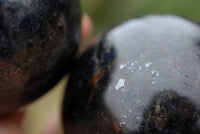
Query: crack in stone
[{"x": 185, "y": 75}]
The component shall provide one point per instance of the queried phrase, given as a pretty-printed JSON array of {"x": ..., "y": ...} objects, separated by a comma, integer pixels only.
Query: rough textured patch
[{"x": 38, "y": 43}]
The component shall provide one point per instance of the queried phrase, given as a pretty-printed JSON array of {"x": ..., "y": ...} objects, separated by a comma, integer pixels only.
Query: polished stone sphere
[
  {"x": 142, "y": 77},
  {"x": 38, "y": 44}
]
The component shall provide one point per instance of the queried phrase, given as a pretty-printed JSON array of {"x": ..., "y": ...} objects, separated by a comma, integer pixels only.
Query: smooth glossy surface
[
  {"x": 153, "y": 88},
  {"x": 38, "y": 43}
]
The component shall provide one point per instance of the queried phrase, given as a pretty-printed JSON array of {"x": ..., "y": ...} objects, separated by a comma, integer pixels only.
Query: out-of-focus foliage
[{"x": 108, "y": 13}]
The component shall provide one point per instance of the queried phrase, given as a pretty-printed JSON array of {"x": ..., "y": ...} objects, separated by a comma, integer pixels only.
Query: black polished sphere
[
  {"x": 148, "y": 83},
  {"x": 38, "y": 44}
]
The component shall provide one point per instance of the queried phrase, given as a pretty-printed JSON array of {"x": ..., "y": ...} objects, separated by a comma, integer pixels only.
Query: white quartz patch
[
  {"x": 155, "y": 73},
  {"x": 120, "y": 84},
  {"x": 121, "y": 66},
  {"x": 148, "y": 64}
]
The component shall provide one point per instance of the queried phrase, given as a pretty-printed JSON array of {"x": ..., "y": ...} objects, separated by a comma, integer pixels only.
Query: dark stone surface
[
  {"x": 150, "y": 87},
  {"x": 38, "y": 43},
  {"x": 170, "y": 113}
]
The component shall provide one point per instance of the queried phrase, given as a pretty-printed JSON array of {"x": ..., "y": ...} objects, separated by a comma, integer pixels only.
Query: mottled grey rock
[{"x": 156, "y": 60}]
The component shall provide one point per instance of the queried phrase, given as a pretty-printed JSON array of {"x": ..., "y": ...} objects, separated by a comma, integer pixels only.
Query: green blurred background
[
  {"x": 108, "y": 13},
  {"x": 105, "y": 14}
]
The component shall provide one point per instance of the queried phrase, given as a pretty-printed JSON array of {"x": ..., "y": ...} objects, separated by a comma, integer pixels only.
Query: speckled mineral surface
[{"x": 149, "y": 83}]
